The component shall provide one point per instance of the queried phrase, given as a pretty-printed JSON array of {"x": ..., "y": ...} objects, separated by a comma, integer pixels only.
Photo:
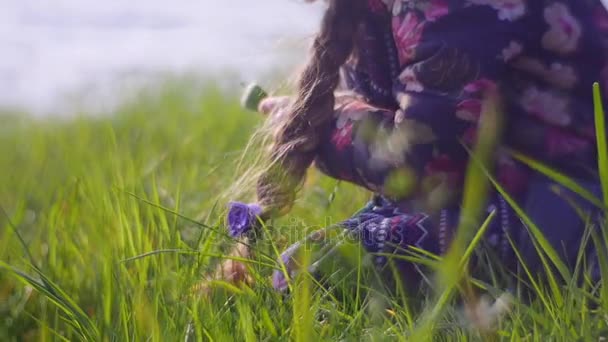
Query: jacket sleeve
[{"x": 448, "y": 59}]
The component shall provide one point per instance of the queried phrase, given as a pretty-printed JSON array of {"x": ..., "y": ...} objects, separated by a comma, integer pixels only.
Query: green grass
[{"x": 107, "y": 222}]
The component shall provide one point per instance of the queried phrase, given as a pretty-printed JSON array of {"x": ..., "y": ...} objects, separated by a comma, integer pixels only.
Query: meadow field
[{"x": 108, "y": 222}]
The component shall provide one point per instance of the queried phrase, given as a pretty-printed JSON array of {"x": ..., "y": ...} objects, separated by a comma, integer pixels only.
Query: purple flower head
[
  {"x": 279, "y": 282},
  {"x": 242, "y": 217}
]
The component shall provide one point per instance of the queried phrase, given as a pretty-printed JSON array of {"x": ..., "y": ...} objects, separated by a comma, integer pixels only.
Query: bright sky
[{"x": 52, "y": 49}]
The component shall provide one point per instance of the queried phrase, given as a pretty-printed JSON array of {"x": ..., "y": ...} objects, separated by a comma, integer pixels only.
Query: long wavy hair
[{"x": 296, "y": 134}]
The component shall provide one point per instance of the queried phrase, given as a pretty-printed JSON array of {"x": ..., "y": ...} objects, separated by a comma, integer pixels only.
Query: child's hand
[
  {"x": 485, "y": 316},
  {"x": 230, "y": 270},
  {"x": 235, "y": 271},
  {"x": 274, "y": 106}
]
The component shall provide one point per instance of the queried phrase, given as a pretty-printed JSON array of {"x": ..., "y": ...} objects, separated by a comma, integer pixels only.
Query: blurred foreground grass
[
  {"x": 84, "y": 194},
  {"x": 88, "y": 195}
]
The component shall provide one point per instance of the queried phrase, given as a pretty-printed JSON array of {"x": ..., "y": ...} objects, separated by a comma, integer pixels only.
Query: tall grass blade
[
  {"x": 77, "y": 318},
  {"x": 602, "y": 141}
]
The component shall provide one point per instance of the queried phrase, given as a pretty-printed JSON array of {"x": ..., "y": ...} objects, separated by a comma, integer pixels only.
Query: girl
[{"x": 418, "y": 73}]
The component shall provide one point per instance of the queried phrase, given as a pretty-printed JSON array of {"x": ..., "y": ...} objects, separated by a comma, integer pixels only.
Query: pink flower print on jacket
[
  {"x": 512, "y": 51},
  {"x": 342, "y": 137},
  {"x": 434, "y": 9},
  {"x": 479, "y": 86},
  {"x": 557, "y": 74},
  {"x": 352, "y": 110},
  {"x": 407, "y": 31},
  {"x": 409, "y": 79},
  {"x": 348, "y": 112},
  {"x": 559, "y": 143},
  {"x": 378, "y": 6},
  {"x": 550, "y": 108},
  {"x": 510, "y": 10},
  {"x": 510, "y": 174},
  {"x": 469, "y": 109},
  {"x": 442, "y": 164},
  {"x": 469, "y": 136},
  {"x": 564, "y": 30}
]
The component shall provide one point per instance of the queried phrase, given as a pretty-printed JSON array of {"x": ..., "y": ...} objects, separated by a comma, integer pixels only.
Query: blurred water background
[{"x": 59, "y": 56}]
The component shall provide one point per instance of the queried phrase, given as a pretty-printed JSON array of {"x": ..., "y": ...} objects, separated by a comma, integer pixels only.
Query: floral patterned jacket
[{"x": 417, "y": 78}]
